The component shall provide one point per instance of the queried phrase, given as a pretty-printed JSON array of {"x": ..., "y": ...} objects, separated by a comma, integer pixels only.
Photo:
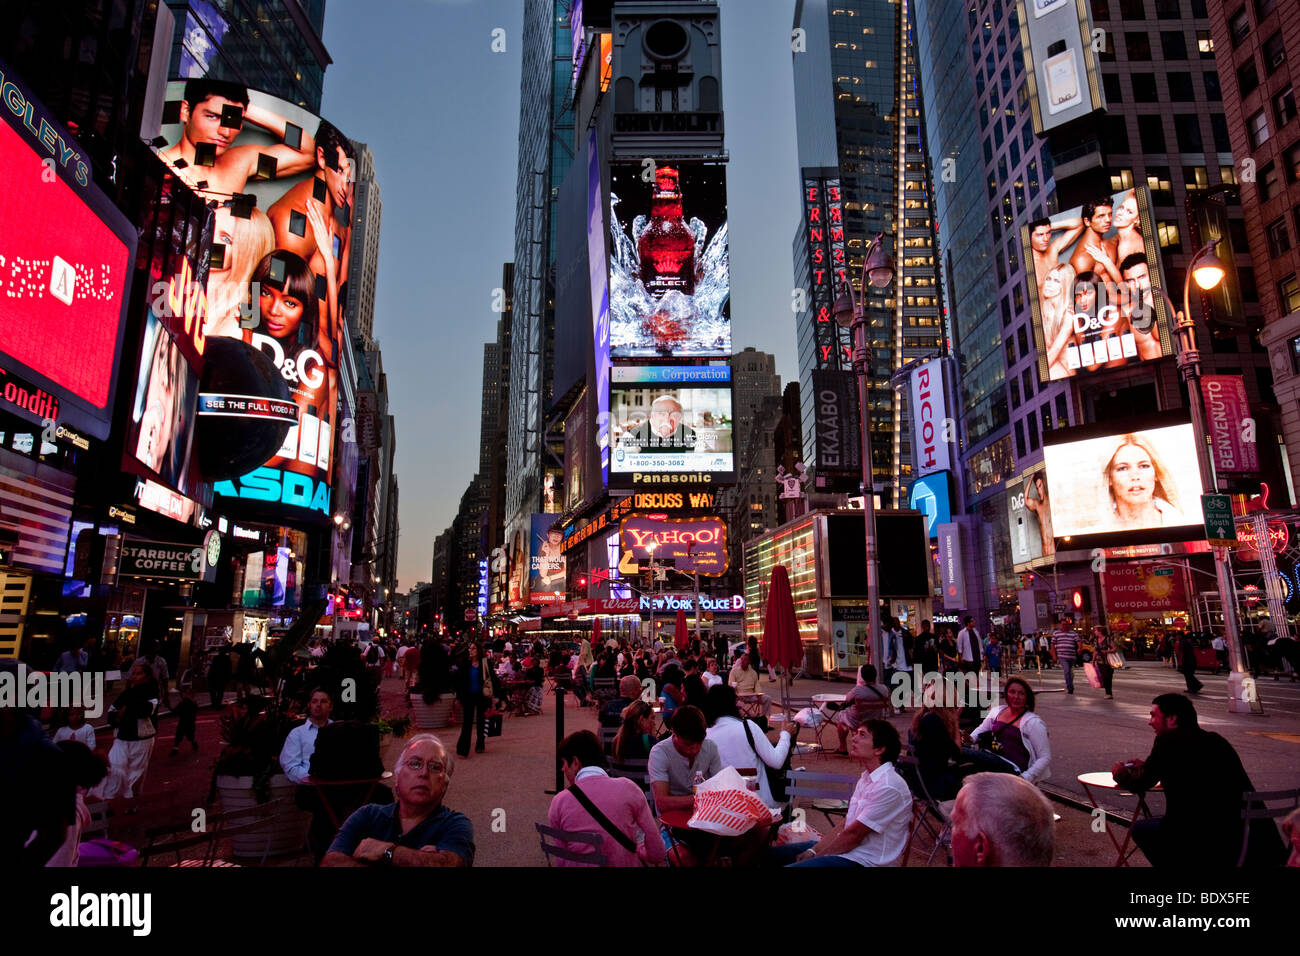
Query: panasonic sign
[{"x": 933, "y": 428}]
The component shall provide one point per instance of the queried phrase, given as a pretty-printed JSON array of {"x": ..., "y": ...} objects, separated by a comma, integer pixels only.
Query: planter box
[
  {"x": 287, "y": 835},
  {"x": 431, "y": 716}
]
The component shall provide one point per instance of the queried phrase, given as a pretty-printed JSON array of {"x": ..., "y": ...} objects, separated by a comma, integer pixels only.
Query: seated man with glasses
[{"x": 416, "y": 830}]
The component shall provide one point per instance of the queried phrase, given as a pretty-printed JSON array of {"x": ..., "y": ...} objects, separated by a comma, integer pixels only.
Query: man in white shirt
[
  {"x": 295, "y": 757},
  {"x": 874, "y": 832},
  {"x": 968, "y": 647}
]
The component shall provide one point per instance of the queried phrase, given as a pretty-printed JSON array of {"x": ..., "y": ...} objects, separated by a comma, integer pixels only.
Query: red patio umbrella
[
  {"x": 681, "y": 636},
  {"x": 781, "y": 643},
  {"x": 595, "y": 633}
]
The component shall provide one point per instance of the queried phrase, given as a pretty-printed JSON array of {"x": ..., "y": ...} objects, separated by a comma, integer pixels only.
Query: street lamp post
[
  {"x": 1208, "y": 271},
  {"x": 851, "y": 313}
]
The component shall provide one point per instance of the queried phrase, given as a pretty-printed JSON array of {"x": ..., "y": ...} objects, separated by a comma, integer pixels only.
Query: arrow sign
[{"x": 1220, "y": 529}]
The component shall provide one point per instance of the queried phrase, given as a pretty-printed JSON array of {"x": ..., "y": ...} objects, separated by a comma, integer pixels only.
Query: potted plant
[{"x": 247, "y": 773}]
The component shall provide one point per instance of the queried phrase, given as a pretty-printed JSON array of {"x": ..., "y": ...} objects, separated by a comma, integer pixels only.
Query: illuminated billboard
[
  {"x": 66, "y": 253},
  {"x": 1029, "y": 513},
  {"x": 694, "y": 545},
  {"x": 1096, "y": 287},
  {"x": 282, "y": 179},
  {"x": 546, "y": 564},
  {"x": 160, "y": 431},
  {"x": 929, "y": 495},
  {"x": 671, "y": 421},
  {"x": 1135, "y": 481},
  {"x": 669, "y": 271},
  {"x": 1060, "y": 62}
]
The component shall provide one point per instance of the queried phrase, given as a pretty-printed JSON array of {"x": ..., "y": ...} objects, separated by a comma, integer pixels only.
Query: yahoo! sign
[{"x": 695, "y": 545}]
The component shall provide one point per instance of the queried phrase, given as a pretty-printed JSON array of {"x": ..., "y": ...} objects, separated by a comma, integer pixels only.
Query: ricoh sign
[{"x": 933, "y": 429}]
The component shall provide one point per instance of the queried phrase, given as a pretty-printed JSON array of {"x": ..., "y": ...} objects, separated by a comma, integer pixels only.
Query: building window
[
  {"x": 1196, "y": 177},
  {"x": 1187, "y": 127},
  {"x": 1144, "y": 88},
  {"x": 1020, "y": 439},
  {"x": 1274, "y": 52},
  {"x": 1006, "y": 311},
  {"x": 1114, "y": 135},
  {"x": 1168, "y": 9},
  {"x": 1152, "y": 135},
  {"x": 1268, "y": 181},
  {"x": 1170, "y": 240},
  {"x": 1212, "y": 91},
  {"x": 1160, "y": 182},
  {"x": 1011, "y": 351},
  {"x": 1031, "y": 426},
  {"x": 1239, "y": 26},
  {"x": 1027, "y": 384},
  {"x": 1138, "y": 45},
  {"x": 1257, "y": 128},
  {"x": 1110, "y": 84},
  {"x": 1121, "y": 179},
  {"x": 1263, "y": 8},
  {"x": 1279, "y": 240},
  {"x": 1174, "y": 44},
  {"x": 1180, "y": 87},
  {"x": 1022, "y": 337},
  {"x": 1247, "y": 78},
  {"x": 1284, "y": 106},
  {"x": 1062, "y": 414},
  {"x": 1288, "y": 291},
  {"x": 1291, "y": 162},
  {"x": 1132, "y": 9},
  {"x": 1222, "y": 141},
  {"x": 1015, "y": 392}
]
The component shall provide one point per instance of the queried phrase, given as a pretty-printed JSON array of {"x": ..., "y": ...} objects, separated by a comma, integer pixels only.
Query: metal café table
[{"x": 1104, "y": 780}]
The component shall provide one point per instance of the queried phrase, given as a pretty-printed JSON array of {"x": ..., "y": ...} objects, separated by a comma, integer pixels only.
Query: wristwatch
[{"x": 387, "y": 858}]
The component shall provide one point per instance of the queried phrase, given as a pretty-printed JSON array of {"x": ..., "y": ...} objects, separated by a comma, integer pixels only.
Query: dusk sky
[{"x": 418, "y": 82}]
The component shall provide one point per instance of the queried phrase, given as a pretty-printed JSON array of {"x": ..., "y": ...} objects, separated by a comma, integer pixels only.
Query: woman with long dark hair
[
  {"x": 474, "y": 690},
  {"x": 636, "y": 735}
]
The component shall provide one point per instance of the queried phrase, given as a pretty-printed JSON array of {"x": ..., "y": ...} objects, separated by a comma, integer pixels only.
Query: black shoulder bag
[{"x": 623, "y": 840}]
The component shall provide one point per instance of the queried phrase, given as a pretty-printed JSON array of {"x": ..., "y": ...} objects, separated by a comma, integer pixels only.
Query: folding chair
[
  {"x": 926, "y": 812},
  {"x": 636, "y": 769},
  {"x": 557, "y": 837},
  {"x": 1255, "y": 806},
  {"x": 604, "y": 689},
  {"x": 607, "y": 735},
  {"x": 828, "y": 792}
]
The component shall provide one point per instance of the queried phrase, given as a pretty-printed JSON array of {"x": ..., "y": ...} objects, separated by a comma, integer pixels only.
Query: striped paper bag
[{"x": 725, "y": 806}]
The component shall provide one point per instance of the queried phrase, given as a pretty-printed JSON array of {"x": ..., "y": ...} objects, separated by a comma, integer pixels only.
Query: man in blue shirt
[
  {"x": 416, "y": 830},
  {"x": 295, "y": 756}
]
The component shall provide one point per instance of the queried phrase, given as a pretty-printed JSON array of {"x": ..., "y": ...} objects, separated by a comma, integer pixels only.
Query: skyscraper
[
  {"x": 363, "y": 269},
  {"x": 274, "y": 46},
  {"x": 1256, "y": 48},
  {"x": 545, "y": 154},
  {"x": 858, "y": 120}
]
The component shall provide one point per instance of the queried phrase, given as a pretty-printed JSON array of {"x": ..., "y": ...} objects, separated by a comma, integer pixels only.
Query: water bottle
[{"x": 695, "y": 784}]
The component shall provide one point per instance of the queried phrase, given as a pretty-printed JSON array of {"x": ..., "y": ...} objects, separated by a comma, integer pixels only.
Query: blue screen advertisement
[{"x": 929, "y": 496}]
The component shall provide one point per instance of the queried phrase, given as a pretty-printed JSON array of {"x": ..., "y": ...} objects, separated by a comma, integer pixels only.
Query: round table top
[
  {"x": 829, "y": 698},
  {"x": 1099, "y": 778},
  {"x": 676, "y": 818}
]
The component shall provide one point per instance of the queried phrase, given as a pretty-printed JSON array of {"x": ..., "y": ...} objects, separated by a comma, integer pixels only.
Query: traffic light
[{"x": 1079, "y": 600}]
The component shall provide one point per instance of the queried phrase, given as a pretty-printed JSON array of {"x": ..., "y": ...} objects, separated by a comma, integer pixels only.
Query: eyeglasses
[{"x": 435, "y": 767}]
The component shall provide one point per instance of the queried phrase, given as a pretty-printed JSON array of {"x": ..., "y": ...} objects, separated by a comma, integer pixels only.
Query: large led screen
[
  {"x": 669, "y": 271},
  {"x": 65, "y": 252},
  {"x": 671, "y": 420},
  {"x": 1095, "y": 283},
  {"x": 283, "y": 182},
  {"x": 1136, "y": 481}
]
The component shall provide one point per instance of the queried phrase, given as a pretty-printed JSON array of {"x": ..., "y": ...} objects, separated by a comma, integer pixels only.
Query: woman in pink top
[{"x": 629, "y": 833}]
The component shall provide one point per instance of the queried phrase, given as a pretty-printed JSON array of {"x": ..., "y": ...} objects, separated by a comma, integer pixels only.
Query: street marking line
[{"x": 1287, "y": 738}]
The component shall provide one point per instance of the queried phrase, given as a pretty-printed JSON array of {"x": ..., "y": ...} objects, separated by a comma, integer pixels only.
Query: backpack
[{"x": 372, "y": 655}]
